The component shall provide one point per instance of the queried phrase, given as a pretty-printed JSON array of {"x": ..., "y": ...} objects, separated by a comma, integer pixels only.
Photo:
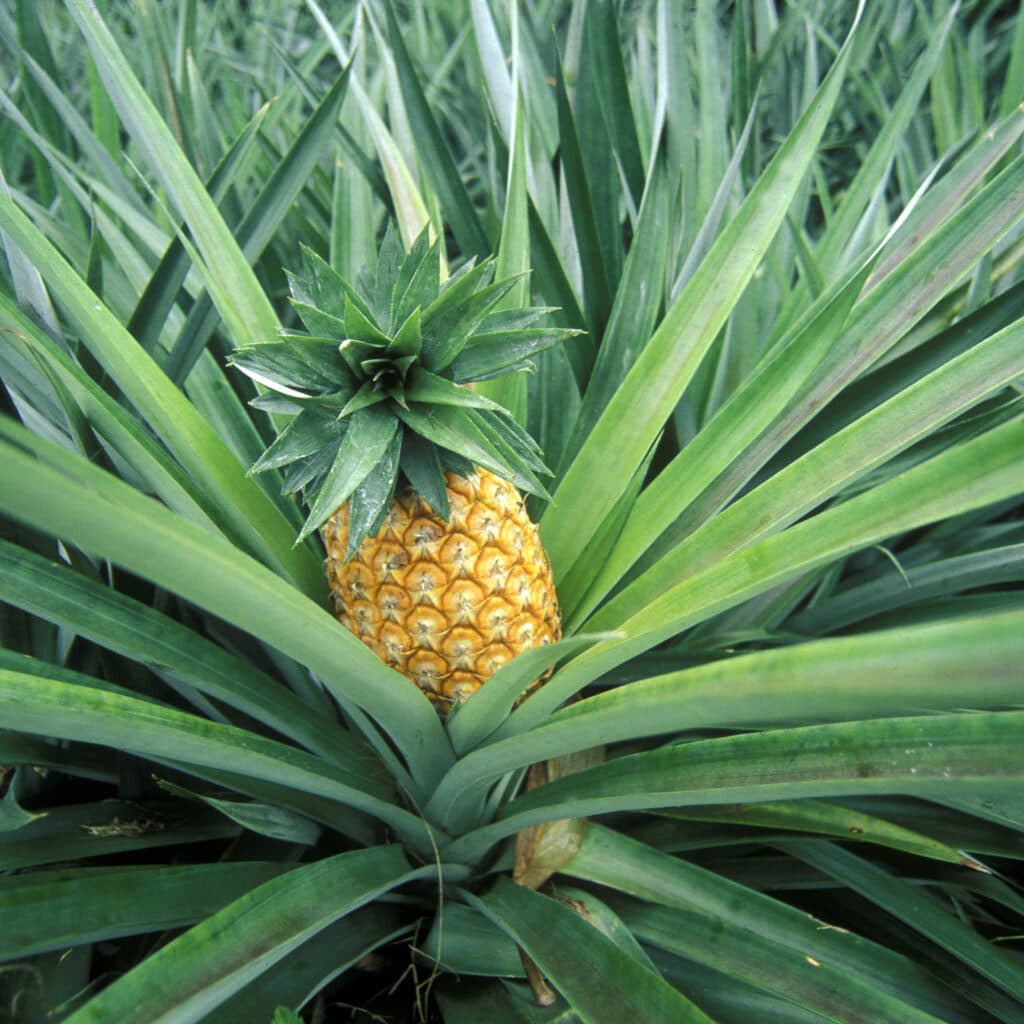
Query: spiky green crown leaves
[{"x": 377, "y": 384}]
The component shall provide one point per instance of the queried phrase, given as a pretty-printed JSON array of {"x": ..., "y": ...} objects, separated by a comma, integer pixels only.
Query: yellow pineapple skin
[{"x": 447, "y": 603}]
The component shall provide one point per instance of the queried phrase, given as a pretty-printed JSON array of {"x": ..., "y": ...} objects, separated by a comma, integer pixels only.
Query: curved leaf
[
  {"x": 78, "y": 502},
  {"x": 601, "y": 982},
  {"x": 191, "y": 976},
  {"x": 45, "y": 910}
]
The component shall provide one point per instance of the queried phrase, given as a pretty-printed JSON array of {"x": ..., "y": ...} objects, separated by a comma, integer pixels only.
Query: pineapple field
[{"x": 511, "y": 512}]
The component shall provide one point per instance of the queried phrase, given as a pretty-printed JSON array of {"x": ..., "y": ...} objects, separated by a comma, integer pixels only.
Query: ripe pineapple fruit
[{"x": 415, "y": 479}]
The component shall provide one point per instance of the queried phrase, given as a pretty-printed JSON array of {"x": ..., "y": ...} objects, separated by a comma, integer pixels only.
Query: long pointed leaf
[
  {"x": 79, "y": 503},
  {"x": 191, "y": 976},
  {"x": 625, "y": 432},
  {"x": 603, "y": 984}
]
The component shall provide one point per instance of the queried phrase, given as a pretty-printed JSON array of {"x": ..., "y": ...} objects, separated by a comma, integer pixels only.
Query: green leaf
[
  {"x": 422, "y": 468},
  {"x": 452, "y": 319},
  {"x": 107, "y": 417},
  {"x": 597, "y": 291},
  {"x": 804, "y": 980},
  {"x": 475, "y": 721},
  {"x": 899, "y": 755},
  {"x": 942, "y": 577},
  {"x": 418, "y": 282},
  {"x": 946, "y": 485},
  {"x": 821, "y": 818},
  {"x": 466, "y": 942},
  {"x": 263, "y": 216},
  {"x": 626, "y": 430},
  {"x": 122, "y": 624},
  {"x": 408, "y": 340},
  {"x": 430, "y": 389},
  {"x": 314, "y": 964},
  {"x": 433, "y": 150},
  {"x": 188, "y": 978},
  {"x": 603, "y": 55},
  {"x": 109, "y": 828},
  {"x": 247, "y": 513},
  {"x": 298, "y": 366},
  {"x": 89, "y": 714},
  {"x": 371, "y": 500},
  {"x": 600, "y": 981},
  {"x": 45, "y": 910},
  {"x": 314, "y": 430},
  {"x": 637, "y": 304},
  {"x": 250, "y": 308},
  {"x": 934, "y": 665},
  {"x": 889, "y": 428},
  {"x": 903, "y": 900},
  {"x": 458, "y": 436},
  {"x": 751, "y": 936},
  {"x": 151, "y": 311},
  {"x": 487, "y": 354},
  {"x": 12, "y": 815},
  {"x": 514, "y": 252},
  {"x": 263, "y": 819},
  {"x": 78, "y": 502},
  {"x": 367, "y": 440},
  {"x": 322, "y": 287}
]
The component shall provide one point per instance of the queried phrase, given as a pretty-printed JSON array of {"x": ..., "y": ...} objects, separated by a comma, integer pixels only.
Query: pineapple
[{"x": 415, "y": 480}]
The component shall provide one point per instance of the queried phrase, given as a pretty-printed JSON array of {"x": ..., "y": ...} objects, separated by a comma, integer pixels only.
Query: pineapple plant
[
  {"x": 432, "y": 559},
  {"x": 773, "y": 773}
]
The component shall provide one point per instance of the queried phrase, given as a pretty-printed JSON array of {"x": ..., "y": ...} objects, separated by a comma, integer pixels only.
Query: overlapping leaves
[{"x": 378, "y": 383}]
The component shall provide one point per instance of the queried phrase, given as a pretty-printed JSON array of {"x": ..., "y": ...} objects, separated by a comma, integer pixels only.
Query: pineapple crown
[{"x": 377, "y": 383}]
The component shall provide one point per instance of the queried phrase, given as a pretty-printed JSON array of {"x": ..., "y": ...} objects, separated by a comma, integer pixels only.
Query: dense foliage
[{"x": 776, "y": 775}]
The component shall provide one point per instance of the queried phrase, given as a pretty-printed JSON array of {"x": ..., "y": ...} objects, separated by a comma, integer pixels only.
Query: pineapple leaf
[
  {"x": 99, "y": 903},
  {"x": 389, "y": 265},
  {"x": 638, "y": 302},
  {"x": 367, "y": 395},
  {"x": 317, "y": 321},
  {"x": 430, "y": 389},
  {"x": 356, "y": 352},
  {"x": 449, "y": 322},
  {"x": 309, "y": 473},
  {"x": 323, "y": 287},
  {"x": 296, "y": 366},
  {"x": 763, "y": 941},
  {"x": 215, "y": 955},
  {"x": 487, "y": 354},
  {"x": 314, "y": 428},
  {"x": 597, "y": 291},
  {"x": 263, "y": 215},
  {"x": 670, "y": 359},
  {"x": 119, "y": 623},
  {"x": 834, "y": 760},
  {"x": 502, "y": 427},
  {"x": 245, "y": 511},
  {"x": 408, "y": 339},
  {"x": 250, "y": 309},
  {"x": 513, "y": 319},
  {"x": 418, "y": 279},
  {"x": 579, "y": 960},
  {"x": 371, "y": 500},
  {"x": 427, "y": 421},
  {"x": 433, "y": 150},
  {"x": 367, "y": 439},
  {"x": 360, "y": 328},
  {"x": 157, "y": 299},
  {"x": 422, "y": 468}
]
